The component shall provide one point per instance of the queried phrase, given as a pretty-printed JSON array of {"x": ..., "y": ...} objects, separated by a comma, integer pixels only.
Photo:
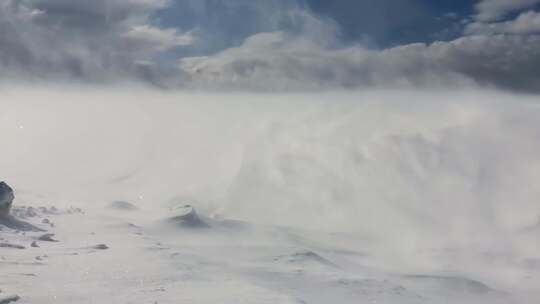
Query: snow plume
[{"x": 410, "y": 168}]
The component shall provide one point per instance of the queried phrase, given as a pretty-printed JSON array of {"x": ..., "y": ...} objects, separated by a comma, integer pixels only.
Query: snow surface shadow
[
  {"x": 11, "y": 222},
  {"x": 453, "y": 284},
  {"x": 122, "y": 206}
]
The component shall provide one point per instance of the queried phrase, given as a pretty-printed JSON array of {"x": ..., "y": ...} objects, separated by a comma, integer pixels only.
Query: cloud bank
[
  {"x": 256, "y": 45},
  {"x": 275, "y": 60},
  {"x": 96, "y": 41},
  {"x": 492, "y": 10},
  {"x": 527, "y": 23}
]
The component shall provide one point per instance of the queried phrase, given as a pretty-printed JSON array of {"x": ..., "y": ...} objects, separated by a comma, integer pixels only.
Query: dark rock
[
  {"x": 100, "y": 247},
  {"x": 6, "y": 199},
  {"x": 34, "y": 244},
  {"x": 9, "y": 245},
  {"x": 187, "y": 217},
  {"x": 8, "y": 299},
  {"x": 6, "y": 202},
  {"x": 47, "y": 238}
]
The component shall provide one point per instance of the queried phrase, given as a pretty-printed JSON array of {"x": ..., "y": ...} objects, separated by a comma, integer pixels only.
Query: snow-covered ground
[{"x": 373, "y": 197}]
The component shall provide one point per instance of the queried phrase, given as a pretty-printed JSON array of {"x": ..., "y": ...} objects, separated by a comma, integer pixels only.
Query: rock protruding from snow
[
  {"x": 186, "y": 216},
  {"x": 6, "y": 199},
  {"x": 6, "y": 219},
  {"x": 5, "y": 299},
  {"x": 10, "y": 245},
  {"x": 100, "y": 247},
  {"x": 48, "y": 237}
]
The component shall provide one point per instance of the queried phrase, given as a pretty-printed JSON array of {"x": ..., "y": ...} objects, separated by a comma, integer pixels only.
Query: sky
[{"x": 273, "y": 45}]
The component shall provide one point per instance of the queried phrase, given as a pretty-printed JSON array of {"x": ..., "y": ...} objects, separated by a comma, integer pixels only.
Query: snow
[
  {"x": 374, "y": 197},
  {"x": 121, "y": 259}
]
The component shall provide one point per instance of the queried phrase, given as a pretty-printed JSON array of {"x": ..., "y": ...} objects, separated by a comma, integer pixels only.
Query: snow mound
[
  {"x": 186, "y": 216},
  {"x": 122, "y": 205},
  {"x": 16, "y": 224},
  {"x": 456, "y": 284},
  {"x": 305, "y": 258}
]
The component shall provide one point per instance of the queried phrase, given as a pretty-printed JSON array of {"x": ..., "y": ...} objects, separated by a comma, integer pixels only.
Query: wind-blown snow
[{"x": 455, "y": 173}]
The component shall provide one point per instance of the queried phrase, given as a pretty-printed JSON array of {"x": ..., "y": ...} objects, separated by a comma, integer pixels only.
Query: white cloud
[
  {"x": 280, "y": 61},
  {"x": 107, "y": 40},
  {"x": 153, "y": 38},
  {"x": 97, "y": 41},
  {"x": 492, "y": 10},
  {"x": 526, "y": 23}
]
